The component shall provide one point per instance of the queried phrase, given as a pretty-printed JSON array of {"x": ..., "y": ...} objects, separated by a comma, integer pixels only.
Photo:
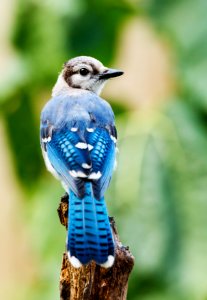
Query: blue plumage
[
  {"x": 78, "y": 139},
  {"x": 89, "y": 235}
]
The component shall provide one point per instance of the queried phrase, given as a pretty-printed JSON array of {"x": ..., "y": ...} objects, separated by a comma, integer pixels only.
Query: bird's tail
[{"x": 89, "y": 231}]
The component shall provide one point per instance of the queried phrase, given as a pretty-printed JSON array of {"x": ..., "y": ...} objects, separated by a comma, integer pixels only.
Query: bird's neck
[{"x": 62, "y": 88}]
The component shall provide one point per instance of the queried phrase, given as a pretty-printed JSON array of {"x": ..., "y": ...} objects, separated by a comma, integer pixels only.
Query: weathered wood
[{"x": 92, "y": 282}]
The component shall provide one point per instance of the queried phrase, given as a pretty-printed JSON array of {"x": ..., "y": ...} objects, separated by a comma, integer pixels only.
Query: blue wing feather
[
  {"x": 75, "y": 184},
  {"x": 103, "y": 159},
  {"x": 65, "y": 143},
  {"x": 65, "y": 157}
]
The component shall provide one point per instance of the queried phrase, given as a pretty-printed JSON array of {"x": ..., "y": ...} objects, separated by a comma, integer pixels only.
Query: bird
[{"x": 78, "y": 139}]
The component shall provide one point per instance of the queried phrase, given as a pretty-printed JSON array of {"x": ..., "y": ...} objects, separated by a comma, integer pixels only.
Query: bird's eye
[{"x": 84, "y": 71}]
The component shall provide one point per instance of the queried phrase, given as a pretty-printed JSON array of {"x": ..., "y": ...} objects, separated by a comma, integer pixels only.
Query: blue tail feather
[{"x": 89, "y": 231}]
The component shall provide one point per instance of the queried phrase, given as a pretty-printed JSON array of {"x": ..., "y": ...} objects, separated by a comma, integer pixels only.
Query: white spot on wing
[
  {"x": 74, "y": 129},
  {"x": 81, "y": 145},
  {"x": 90, "y": 129},
  {"x": 113, "y": 138},
  {"x": 46, "y": 140},
  {"x": 95, "y": 175},
  {"x": 90, "y": 147},
  {"x": 86, "y": 166},
  {"x": 75, "y": 174},
  {"x": 109, "y": 263},
  {"x": 74, "y": 261}
]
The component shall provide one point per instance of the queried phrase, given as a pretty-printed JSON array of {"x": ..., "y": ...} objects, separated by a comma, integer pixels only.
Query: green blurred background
[{"x": 158, "y": 194}]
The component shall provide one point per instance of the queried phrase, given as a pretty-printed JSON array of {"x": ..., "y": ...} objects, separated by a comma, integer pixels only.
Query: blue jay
[{"x": 78, "y": 141}]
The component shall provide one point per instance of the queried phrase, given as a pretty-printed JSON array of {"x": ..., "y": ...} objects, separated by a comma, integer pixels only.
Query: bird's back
[{"x": 65, "y": 110}]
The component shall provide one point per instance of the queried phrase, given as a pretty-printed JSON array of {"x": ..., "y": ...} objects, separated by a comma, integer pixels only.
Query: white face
[
  {"x": 83, "y": 72},
  {"x": 86, "y": 77}
]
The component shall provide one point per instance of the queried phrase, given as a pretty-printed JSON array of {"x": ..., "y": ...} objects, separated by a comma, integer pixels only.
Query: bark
[{"x": 92, "y": 282}]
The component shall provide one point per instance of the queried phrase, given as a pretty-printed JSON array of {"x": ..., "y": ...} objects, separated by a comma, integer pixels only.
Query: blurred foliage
[
  {"x": 159, "y": 189},
  {"x": 168, "y": 172}
]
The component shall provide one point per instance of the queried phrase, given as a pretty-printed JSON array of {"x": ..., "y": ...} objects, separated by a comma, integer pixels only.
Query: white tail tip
[
  {"x": 74, "y": 261},
  {"x": 109, "y": 263}
]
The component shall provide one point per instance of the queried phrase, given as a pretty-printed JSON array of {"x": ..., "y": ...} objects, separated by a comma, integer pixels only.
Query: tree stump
[{"x": 92, "y": 282}]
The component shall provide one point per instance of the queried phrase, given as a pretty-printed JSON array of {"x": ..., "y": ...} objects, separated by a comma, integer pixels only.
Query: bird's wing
[
  {"x": 102, "y": 142},
  {"x": 68, "y": 155},
  {"x": 77, "y": 157}
]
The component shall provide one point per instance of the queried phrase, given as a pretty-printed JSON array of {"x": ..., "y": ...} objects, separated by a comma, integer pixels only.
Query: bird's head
[{"x": 86, "y": 73}]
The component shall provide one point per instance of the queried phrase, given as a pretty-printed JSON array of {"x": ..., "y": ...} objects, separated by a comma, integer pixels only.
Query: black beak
[{"x": 110, "y": 73}]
